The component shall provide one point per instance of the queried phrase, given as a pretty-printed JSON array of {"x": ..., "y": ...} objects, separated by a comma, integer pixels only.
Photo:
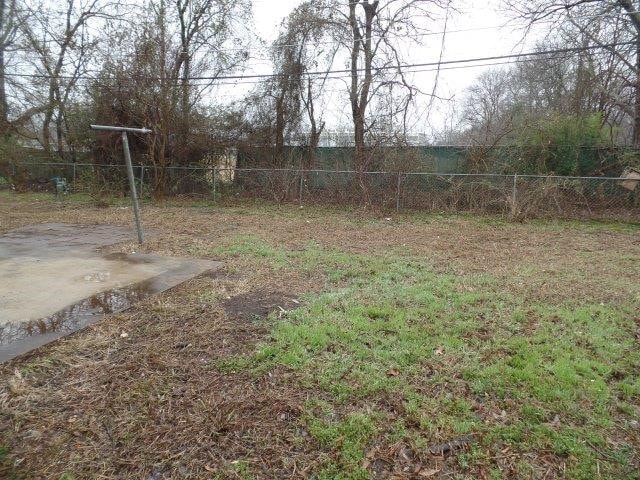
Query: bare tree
[
  {"x": 316, "y": 123},
  {"x": 150, "y": 79},
  {"x": 540, "y": 114},
  {"x": 58, "y": 46},
  {"x": 204, "y": 26},
  {"x": 300, "y": 45},
  {"x": 290, "y": 101},
  {"x": 8, "y": 31},
  {"x": 612, "y": 25},
  {"x": 375, "y": 61},
  {"x": 487, "y": 107}
]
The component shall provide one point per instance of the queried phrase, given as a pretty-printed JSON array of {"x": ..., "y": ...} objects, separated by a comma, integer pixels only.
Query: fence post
[
  {"x": 398, "y": 193},
  {"x": 141, "y": 181},
  {"x": 514, "y": 195},
  {"x": 214, "y": 184},
  {"x": 301, "y": 186}
]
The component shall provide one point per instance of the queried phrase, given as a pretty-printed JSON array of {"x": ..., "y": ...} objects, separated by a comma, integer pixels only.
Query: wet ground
[
  {"x": 258, "y": 304},
  {"x": 54, "y": 280}
]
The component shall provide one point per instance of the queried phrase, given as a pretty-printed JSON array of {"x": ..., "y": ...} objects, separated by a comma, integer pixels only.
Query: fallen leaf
[
  {"x": 428, "y": 472},
  {"x": 371, "y": 453},
  {"x": 406, "y": 454},
  {"x": 439, "y": 351},
  {"x": 392, "y": 372},
  {"x": 209, "y": 469}
]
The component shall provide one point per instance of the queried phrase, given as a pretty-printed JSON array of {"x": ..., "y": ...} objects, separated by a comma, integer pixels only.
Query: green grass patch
[
  {"x": 389, "y": 325},
  {"x": 348, "y": 436}
]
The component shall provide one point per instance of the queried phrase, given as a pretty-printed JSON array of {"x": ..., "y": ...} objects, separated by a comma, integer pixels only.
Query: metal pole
[
  {"x": 214, "y": 183},
  {"x": 301, "y": 186},
  {"x": 127, "y": 157},
  {"x": 132, "y": 185},
  {"x": 110, "y": 128},
  {"x": 398, "y": 194},
  {"x": 141, "y": 181},
  {"x": 514, "y": 193}
]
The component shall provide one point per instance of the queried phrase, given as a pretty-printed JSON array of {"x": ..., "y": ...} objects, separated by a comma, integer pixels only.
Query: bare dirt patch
[{"x": 258, "y": 304}]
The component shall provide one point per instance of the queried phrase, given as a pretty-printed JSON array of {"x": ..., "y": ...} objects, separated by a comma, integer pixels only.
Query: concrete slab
[{"x": 54, "y": 280}]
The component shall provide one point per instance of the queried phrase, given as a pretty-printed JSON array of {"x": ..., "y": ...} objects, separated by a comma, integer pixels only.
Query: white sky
[{"x": 489, "y": 31}]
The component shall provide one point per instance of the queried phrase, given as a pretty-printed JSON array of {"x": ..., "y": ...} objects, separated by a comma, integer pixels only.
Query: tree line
[
  {"x": 162, "y": 63},
  {"x": 557, "y": 109}
]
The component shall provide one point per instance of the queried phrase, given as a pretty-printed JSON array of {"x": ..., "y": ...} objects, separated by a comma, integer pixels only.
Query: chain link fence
[{"x": 518, "y": 196}]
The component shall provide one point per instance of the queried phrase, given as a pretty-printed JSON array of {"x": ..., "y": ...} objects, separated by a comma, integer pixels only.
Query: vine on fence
[{"x": 516, "y": 196}]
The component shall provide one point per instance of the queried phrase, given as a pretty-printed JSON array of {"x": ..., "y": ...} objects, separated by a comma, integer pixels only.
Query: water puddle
[
  {"x": 55, "y": 280},
  {"x": 22, "y": 337}
]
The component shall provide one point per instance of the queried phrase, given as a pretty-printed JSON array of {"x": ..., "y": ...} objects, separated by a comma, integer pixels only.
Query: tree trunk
[
  {"x": 4, "y": 107},
  {"x": 633, "y": 10},
  {"x": 46, "y": 131},
  {"x": 360, "y": 102},
  {"x": 315, "y": 132},
  {"x": 161, "y": 174},
  {"x": 5, "y": 27},
  {"x": 185, "y": 101},
  {"x": 636, "y": 111},
  {"x": 60, "y": 136},
  {"x": 279, "y": 130}
]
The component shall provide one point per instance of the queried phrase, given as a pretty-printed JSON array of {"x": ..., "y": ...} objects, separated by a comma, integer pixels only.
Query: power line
[
  {"x": 436, "y": 63},
  {"x": 336, "y": 77},
  {"x": 526, "y": 56}
]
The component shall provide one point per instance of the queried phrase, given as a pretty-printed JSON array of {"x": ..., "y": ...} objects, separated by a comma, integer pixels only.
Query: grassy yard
[{"x": 411, "y": 346}]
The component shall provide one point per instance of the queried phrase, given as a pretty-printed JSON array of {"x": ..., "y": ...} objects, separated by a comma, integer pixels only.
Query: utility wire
[
  {"x": 99, "y": 82},
  {"x": 526, "y": 56}
]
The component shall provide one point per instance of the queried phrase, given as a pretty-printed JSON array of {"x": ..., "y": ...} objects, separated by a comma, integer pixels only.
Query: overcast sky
[{"x": 487, "y": 31}]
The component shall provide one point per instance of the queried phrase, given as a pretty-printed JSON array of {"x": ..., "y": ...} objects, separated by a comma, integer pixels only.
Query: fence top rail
[
  {"x": 298, "y": 170},
  {"x": 114, "y": 128}
]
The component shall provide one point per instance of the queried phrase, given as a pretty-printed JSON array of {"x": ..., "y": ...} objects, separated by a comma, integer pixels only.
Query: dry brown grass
[
  {"x": 154, "y": 404},
  {"x": 102, "y": 405}
]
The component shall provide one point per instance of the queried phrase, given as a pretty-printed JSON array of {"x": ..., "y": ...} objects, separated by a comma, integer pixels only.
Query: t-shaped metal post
[{"x": 127, "y": 158}]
